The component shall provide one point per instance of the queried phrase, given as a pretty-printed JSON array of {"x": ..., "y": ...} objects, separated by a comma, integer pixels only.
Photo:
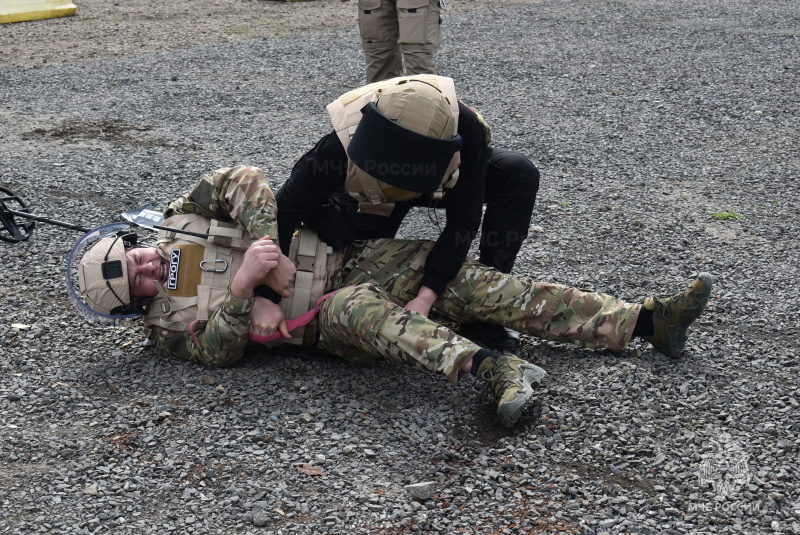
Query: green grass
[{"x": 722, "y": 216}]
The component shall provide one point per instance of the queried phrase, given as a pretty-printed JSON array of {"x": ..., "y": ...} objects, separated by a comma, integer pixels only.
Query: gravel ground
[{"x": 646, "y": 118}]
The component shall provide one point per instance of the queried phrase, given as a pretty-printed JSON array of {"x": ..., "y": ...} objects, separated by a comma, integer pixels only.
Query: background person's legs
[
  {"x": 420, "y": 34},
  {"x": 377, "y": 22}
]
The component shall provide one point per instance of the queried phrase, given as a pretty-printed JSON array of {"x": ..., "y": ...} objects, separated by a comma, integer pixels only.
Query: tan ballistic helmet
[
  {"x": 103, "y": 276},
  {"x": 406, "y": 140},
  {"x": 420, "y": 107}
]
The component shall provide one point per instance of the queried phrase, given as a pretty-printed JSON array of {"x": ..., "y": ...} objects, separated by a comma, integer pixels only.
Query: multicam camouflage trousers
[{"x": 366, "y": 319}]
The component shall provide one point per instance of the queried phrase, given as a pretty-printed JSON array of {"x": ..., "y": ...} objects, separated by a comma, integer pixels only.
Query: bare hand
[
  {"x": 423, "y": 302},
  {"x": 267, "y": 318},
  {"x": 281, "y": 276},
  {"x": 260, "y": 258}
]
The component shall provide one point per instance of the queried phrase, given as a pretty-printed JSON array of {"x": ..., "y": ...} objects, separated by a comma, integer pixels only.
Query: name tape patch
[{"x": 174, "y": 264}]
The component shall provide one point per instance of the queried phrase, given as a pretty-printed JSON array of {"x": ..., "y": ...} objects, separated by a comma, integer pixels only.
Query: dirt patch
[
  {"x": 103, "y": 29},
  {"x": 112, "y": 131},
  {"x": 484, "y": 429},
  {"x": 72, "y": 131}
]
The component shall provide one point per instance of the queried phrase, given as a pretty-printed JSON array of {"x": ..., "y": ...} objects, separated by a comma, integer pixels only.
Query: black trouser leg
[{"x": 512, "y": 183}]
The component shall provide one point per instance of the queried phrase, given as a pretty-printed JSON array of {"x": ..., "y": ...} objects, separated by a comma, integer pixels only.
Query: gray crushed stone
[{"x": 645, "y": 118}]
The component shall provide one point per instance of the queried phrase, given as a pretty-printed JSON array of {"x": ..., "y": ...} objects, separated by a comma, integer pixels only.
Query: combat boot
[
  {"x": 673, "y": 315},
  {"x": 511, "y": 379}
]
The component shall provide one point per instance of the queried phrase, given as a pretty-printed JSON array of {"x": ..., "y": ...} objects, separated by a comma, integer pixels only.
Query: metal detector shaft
[
  {"x": 13, "y": 232},
  {"x": 84, "y": 229},
  {"x": 47, "y": 220}
]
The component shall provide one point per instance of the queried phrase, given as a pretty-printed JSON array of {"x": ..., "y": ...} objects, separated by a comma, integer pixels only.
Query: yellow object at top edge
[{"x": 24, "y": 10}]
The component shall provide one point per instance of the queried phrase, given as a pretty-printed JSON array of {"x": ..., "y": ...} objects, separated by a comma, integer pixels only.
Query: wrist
[
  {"x": 235, "y": 306},
  {"x": 240, "y": 290},
  {"x": 427, "y": 295}
]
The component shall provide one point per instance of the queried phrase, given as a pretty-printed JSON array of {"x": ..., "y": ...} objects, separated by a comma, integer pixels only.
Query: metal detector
[{"x": 11, "y": 207}]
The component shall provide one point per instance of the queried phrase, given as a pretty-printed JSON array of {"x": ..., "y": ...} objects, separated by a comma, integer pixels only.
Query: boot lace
[
  {"x": 487, "y": 377},
  {"x": 662, "y": 306},
  {"x": 677, "y": 302}
]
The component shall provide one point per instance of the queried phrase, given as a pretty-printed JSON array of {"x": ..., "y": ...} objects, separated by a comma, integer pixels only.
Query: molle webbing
[
  {"x": 310, "y": 256},
  {"x": 207, "y": 273},
  {"x": 215, "y": 268}
]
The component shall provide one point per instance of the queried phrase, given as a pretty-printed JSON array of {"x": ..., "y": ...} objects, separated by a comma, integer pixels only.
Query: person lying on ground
[{"x": 206, "y": 299}]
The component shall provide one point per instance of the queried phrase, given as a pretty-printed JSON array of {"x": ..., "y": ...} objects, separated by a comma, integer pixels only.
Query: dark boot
[{"x": 672, "y": 316}]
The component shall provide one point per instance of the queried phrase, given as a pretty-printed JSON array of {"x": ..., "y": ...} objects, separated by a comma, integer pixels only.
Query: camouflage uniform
[
  {"x": 365, "y": 319},
  {"x": 239, "y": 194}
]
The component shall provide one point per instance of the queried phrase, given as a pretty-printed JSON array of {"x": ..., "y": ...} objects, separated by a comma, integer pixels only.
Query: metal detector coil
[{"x": 11, "y": 205}]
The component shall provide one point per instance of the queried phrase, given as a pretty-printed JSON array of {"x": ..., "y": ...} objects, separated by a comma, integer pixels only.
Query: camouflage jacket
[{"x": 240, "y": 195}]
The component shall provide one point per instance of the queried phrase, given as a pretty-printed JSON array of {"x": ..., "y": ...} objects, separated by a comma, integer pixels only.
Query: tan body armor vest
[
  {"x": 201, "y": 270},
  {"x": 345, "y": 114}
]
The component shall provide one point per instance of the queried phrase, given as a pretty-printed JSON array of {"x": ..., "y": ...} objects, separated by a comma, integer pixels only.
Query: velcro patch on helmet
[
  {"x": 184, "y": 272},
  {"x": 112, "y": 269}
]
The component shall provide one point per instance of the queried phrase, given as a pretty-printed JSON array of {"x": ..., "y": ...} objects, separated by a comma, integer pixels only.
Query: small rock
[
  {"x": 305, "y": 418},
  {"x": 421, "y": 491},
  {"x": 261, "y": 518}
]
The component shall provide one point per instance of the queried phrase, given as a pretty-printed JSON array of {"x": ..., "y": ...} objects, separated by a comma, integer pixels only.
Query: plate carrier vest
[
  {"x": 345, "y": 114},
  {"x": 196, "y": 289}
]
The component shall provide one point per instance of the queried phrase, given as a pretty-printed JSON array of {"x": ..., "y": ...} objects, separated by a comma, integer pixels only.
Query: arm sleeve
[
  {"x": 463, "y": 205},
  {"x": 220, "y": 341},
  {"x": 237, "y": 194},
  {"x": 307, "y": 196}
]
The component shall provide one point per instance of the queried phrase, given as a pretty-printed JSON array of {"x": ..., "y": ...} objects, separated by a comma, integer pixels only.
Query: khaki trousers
[{"x": 398, "y": 31}]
